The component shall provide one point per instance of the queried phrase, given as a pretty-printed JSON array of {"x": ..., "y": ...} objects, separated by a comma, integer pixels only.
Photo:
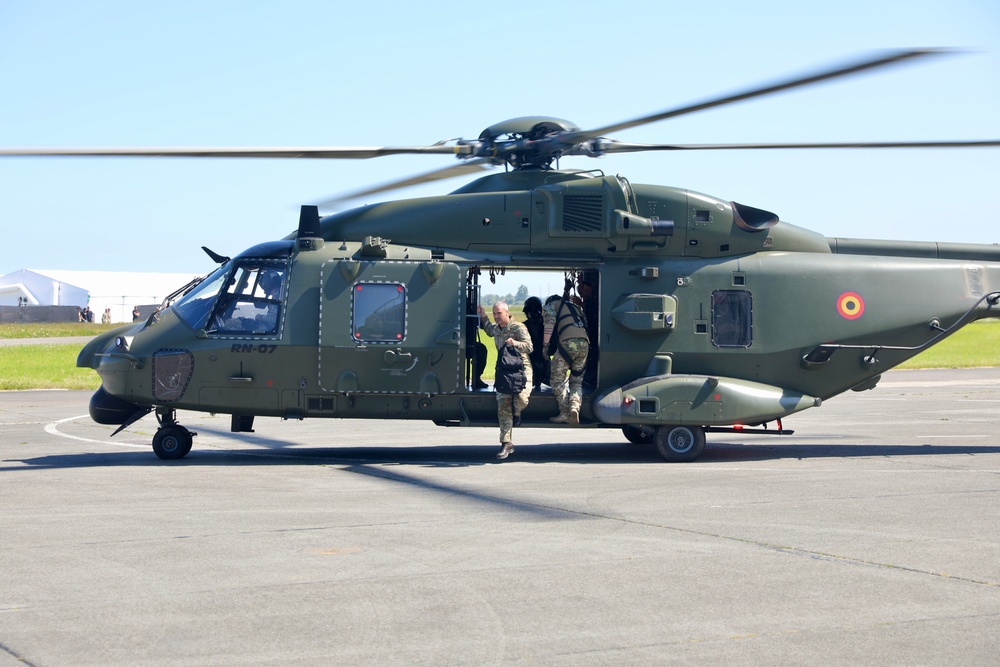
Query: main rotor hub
[{"x": 529, "y": 142}]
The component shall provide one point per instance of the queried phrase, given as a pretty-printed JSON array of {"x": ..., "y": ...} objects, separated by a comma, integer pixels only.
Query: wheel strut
[{"x": 166, "y": 416}]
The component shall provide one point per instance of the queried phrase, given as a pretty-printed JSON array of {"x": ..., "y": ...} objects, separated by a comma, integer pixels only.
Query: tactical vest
[{"x": 570, "y": 322}]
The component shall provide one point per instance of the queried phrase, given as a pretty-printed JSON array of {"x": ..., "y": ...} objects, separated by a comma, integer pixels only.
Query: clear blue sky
[{"x": 399, "y": 73}]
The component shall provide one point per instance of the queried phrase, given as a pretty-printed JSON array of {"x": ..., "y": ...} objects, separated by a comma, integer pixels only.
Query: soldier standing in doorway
[{"x": 566, "y": 340}]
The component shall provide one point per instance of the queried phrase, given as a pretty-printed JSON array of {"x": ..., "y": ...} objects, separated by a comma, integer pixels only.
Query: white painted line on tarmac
[
  {"x": 53, "y": 428},
  {"x": 930, "y": 384}
]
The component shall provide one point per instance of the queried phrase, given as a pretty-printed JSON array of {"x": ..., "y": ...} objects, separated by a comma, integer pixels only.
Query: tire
[
  {"x": 637, "y": 436},
  {"x": 172, "y": 442},
  {"x": 680, "y": 444}
]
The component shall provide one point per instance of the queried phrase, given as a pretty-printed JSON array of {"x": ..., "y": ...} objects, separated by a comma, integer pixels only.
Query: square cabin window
[
  {"x": 378, "y": 313},
  {"x": 732, "y": 323}
]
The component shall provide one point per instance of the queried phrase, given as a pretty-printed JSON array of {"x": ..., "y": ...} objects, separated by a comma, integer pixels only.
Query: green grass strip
[
  {"x": 53, "y": 366},
  {"x": 44, "y": 367}
]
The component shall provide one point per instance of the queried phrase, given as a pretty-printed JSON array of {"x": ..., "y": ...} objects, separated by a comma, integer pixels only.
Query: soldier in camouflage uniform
[
  {"x": 509, "y": 407},
  {"x": 564, "y": 320}
]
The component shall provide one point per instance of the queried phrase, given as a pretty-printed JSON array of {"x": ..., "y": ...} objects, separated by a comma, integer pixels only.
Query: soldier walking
[
  {"x": 509, "y": 406},
  {"x": 566, "y": 330}
]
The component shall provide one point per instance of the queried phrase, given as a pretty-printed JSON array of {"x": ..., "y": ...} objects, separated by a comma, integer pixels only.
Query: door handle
[{"x": 396, "y": 356}]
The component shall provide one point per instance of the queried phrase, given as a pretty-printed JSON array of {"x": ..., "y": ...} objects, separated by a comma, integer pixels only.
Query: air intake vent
[
  {"x": 316, "y": 403},
  {"x": 583, "y": 213}
]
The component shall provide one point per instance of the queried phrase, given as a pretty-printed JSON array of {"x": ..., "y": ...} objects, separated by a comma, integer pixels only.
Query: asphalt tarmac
[{"x": 869, "y": 536}]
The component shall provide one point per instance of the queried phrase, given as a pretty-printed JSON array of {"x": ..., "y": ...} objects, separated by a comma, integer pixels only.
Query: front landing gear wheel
[
  {"x": 172, "y": 442},
  {"x": 637, "y": 436},
  {"x": 680, "y": 444}
]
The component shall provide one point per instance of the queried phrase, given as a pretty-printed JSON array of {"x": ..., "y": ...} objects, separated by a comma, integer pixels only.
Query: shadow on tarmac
[{"x": 276, "y": 453}]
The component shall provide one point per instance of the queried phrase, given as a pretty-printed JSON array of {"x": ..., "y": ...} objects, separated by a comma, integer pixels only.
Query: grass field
[
  {"x": 53, "y": 365},
  {"x": 54, "y": 329},
  {"x": 975, "y": 345},
  {"x": 48, "y": 366}
]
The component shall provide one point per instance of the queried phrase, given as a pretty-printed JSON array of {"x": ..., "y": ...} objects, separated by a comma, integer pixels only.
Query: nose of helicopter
[
  {"x": 90, "y": 355},
  {"x": 105, "y": 354}
]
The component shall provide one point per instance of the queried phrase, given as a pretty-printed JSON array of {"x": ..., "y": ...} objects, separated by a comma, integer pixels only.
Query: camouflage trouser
[
  {"x": 507, "y": 403},
  {"x": 569, "y": 398}
]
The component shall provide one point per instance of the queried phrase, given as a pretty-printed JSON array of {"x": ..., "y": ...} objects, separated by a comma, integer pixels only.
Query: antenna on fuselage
[{"x": 308, "y": 236}]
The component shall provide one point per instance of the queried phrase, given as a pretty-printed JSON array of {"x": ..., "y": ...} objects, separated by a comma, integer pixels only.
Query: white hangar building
[{"x": 120, "y": 291}]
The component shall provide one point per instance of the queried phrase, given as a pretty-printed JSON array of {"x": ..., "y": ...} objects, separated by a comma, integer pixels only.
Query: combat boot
[
  {"x": 561, "y": 418},
  {"x": 574, "y": 417},
  {"x": 505, "y": 450}
]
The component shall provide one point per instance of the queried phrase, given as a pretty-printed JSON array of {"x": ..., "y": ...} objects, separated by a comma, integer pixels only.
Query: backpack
[
  {"x": 510, "y": 377},
  {"x": 577, "y": 319}
]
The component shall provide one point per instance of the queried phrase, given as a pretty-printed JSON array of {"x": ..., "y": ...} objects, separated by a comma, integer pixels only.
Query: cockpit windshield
[
  {"x": 193, "y": 308},
  {"x": 243, "y": 297}
]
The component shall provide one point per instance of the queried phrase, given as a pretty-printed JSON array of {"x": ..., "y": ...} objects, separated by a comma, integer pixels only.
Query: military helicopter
[{"x": 711, "y": 315}]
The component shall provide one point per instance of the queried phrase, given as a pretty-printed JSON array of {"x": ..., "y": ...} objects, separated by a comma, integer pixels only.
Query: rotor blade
[
  {"x": 620, "y": 147},
  {"x": 825, "y": 75},
  {"x": 468, "y": 167},
  {"x": 333, "y": 152}
]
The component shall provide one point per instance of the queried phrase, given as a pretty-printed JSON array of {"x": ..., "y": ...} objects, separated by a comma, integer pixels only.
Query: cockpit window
[
  {"x": 732, "y": 323},
  {"x": 195, "y": 306},
  {"x": 250, "y": 301}
]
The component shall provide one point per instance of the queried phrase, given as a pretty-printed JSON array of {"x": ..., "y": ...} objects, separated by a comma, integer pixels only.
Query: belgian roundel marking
[{"x": 850, "y": 305}]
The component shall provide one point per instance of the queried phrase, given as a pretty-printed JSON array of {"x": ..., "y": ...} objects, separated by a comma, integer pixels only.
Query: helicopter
[{"x": 708, "y": 315}]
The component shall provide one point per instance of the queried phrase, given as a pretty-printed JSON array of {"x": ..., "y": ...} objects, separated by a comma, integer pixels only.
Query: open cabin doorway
[{"x": 487, "y": 285}]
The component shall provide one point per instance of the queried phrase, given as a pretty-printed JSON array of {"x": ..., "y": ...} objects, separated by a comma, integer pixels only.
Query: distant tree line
[{"x": 511, "y": 299}]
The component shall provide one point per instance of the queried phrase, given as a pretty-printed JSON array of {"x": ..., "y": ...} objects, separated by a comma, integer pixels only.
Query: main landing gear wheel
[
  {"x": 637, "y": 436},
  {"x": 680, "y": 444}
]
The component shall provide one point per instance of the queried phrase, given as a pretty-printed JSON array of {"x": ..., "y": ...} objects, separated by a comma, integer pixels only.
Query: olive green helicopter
[{"x": 707, "y": 315}]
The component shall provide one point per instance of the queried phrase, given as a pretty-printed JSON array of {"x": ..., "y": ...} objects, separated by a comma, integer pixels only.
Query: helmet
[
  {"x": 270, "y": 282},
  {"x": 532, "y": 306}
]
